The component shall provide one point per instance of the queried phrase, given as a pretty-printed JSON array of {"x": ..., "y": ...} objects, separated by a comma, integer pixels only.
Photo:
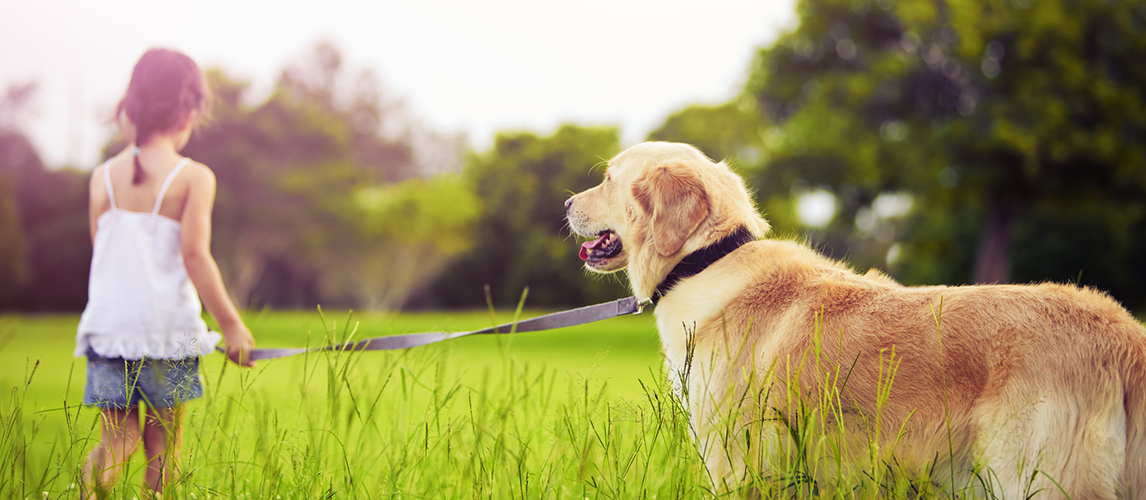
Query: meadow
[{"x": 579, "y": 412}]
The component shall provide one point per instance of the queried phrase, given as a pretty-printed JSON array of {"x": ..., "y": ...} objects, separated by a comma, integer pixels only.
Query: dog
[{"x": 1003, "y": 389}]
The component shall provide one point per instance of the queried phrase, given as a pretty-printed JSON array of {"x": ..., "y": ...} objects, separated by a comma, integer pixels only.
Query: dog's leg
[{"x": 1062, "y": 443}]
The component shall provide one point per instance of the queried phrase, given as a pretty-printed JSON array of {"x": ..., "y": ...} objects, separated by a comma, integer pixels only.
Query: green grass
[{"x": 575, "y": 412}]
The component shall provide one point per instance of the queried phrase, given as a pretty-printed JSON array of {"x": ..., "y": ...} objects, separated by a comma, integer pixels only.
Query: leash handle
[{"x": 552, "y": 321}]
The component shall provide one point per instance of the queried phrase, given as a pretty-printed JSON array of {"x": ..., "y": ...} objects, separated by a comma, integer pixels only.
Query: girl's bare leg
[
  {"x": 161, "y": 442},
  {"x": 120, "y": 437}
]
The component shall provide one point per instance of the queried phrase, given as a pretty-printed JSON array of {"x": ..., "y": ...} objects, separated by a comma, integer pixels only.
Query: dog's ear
[{"x": 676, "y": 203}]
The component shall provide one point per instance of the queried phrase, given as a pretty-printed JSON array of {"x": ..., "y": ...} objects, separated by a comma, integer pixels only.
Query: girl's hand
[{"x": 240, "y": 343}]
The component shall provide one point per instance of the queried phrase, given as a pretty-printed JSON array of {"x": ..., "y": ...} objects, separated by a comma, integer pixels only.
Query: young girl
[{"x": 142, "y": 329}]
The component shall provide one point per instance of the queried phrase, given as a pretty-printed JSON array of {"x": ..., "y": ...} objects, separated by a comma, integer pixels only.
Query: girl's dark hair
[{"x": 166, "y": 87}]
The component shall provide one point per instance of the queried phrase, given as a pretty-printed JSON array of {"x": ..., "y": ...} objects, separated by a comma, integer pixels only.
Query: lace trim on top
[{"x": 166, "y": 347}]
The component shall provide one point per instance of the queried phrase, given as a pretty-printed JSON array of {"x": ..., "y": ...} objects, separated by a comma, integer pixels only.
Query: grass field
[{"x": 579, "y": 412}]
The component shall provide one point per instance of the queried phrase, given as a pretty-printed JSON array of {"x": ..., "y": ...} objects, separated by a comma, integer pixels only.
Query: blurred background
[{"x": 407, "y": 155}]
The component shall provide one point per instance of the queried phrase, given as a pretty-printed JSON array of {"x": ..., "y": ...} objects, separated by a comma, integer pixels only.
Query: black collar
[{"x": 698, "y": 261}]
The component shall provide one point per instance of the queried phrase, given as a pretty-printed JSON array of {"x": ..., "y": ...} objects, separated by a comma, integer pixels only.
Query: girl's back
[
  {"x": 141, "y": 197},
  {"x": 141, "y": 301}
]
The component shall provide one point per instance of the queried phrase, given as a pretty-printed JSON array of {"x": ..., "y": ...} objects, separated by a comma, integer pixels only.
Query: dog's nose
[{"x": 568, "y": 203}]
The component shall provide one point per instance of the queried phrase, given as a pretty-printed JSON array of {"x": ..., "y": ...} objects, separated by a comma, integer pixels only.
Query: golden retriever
[{"x": 1004, "y": 390}]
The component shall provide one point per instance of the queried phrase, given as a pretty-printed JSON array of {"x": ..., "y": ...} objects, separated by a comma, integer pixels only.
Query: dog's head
[{"x": 658, "y": 203}]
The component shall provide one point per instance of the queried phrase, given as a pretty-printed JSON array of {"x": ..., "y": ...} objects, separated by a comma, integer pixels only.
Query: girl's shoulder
[
  {"x": 119, "y": 161},
  {"x": 198, "y": 175},
  {"x": 97, "y": 181},
  {"x": 98, "y": 171}
]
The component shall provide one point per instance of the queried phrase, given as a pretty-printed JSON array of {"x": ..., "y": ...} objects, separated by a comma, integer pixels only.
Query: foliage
[
  {"x": 523, "y": 182},
  {"x": 995, "y": 116},
  {"x": 53, "y": 212},
  {"x": 44, "y": 247},
  {"x": 357, "y": 104},
  {"x": 293, "y": 172},
  {"x": 13, "y": 253},
  {"x": 405, "y": 234},
  {"x": 491, "y": 417},
  {"x": 727, "y": 131}
]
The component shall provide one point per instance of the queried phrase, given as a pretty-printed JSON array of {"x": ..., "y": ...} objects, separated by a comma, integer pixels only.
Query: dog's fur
[{"x": 993, "y": 381}]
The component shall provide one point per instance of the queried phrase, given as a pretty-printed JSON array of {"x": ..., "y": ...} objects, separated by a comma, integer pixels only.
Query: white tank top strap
[
  {"x": 167, "y": 183},
  {"x": 107, "y": 182}
]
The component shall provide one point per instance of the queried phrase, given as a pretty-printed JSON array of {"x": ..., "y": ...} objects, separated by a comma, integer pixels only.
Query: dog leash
[{"x": 553, "y": 321}]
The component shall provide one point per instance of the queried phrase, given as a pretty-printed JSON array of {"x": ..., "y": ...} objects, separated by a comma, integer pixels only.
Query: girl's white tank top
[{"x": 141, "y": 303}]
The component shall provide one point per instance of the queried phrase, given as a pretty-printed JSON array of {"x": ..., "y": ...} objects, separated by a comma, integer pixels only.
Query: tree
[
  {"x": 730, "y": 131},
  {"x": 997, "y": 116},
  {"x": 263, "y": 215},
  {"x": 17, "y": 161},
  {"x": 521, "y": 238},
  {"x": 13, "y": 247},
  {"x": 319, "y": 200},
  {"x": 405, "y": 234},
  {"x": 44, "y": 247},
  {"x": 294, "y": 224},
  {"x": 369, "y": 116},
  {"x": 315, "y": 205}
]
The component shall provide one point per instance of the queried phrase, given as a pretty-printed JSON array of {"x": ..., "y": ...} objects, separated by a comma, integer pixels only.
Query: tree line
[
  {"x": 1015, "y": 131},
  {"x": 959, "y": 141}
]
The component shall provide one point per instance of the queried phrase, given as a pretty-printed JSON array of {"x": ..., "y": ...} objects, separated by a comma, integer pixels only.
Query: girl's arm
[
  {"x": 97, "y": 200},
  {"x": 201, "y": 267}
]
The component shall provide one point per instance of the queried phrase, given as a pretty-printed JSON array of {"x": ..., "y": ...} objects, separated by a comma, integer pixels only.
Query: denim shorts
[{"x": 117, "y": 383}]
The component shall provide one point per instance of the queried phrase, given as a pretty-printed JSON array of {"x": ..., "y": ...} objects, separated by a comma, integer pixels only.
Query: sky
[{"x": 473, "y": 67}]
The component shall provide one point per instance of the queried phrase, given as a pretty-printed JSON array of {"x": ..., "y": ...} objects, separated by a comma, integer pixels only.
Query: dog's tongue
[{"x": 589, "y": 246}]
